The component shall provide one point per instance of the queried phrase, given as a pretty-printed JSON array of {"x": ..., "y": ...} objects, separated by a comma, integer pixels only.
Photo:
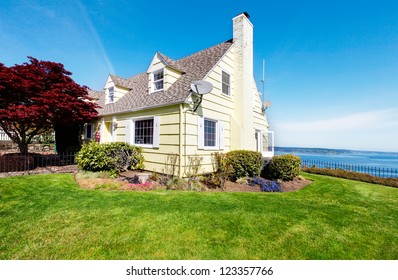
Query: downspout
[{"x": 180, "y": 171}]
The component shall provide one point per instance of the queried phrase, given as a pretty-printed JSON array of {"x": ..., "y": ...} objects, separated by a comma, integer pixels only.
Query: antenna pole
[{"x": 262, "y": 82}]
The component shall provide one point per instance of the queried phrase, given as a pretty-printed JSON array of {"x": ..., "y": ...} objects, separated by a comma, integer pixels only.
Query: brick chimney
[{"x": 244, "y": 85}]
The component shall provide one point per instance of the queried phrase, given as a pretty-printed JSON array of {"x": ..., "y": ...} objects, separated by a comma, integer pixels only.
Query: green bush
[
  {"x": 244, "y": 163},
  {"x": 111, "y": 157},
  {"x": 176, "y": 183},
  {"x": 285, "y": 167}
]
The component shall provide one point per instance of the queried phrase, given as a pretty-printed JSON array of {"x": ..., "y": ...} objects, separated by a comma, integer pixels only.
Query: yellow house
[{"x": 158, "y": 110}]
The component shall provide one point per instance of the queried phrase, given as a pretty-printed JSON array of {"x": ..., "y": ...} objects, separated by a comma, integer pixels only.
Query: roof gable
[
  {"x": 160, "y": 61},
  {"x": 194, "y": 67}
]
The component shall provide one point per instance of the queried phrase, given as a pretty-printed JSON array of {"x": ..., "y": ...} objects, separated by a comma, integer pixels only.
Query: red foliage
[{"x": 36, "y": 95}]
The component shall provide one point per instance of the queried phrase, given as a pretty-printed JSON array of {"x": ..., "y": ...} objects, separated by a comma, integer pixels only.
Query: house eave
[{"x": 143, "y": 108}]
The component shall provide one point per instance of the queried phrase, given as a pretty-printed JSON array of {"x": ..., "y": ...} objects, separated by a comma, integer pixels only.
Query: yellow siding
[
  {"x": 155, "y": 158},
  {"x": 120, "y": 92},
  {"x": 170, "y": 76}
]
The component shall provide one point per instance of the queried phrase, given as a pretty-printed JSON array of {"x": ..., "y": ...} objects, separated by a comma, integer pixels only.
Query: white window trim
[
  {"x": 230, "y": 83},
  {"x": 220, "y": 135},
  {"x": 153, "y": 80},
  {"x": 259, "y": 140},
  {"x": 130, "y": 131}
]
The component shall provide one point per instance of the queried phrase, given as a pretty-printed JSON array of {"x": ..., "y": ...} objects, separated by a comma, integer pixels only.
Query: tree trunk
[
  {"x": 23, "y": 148},
  {"x": 67, "y": 138}
]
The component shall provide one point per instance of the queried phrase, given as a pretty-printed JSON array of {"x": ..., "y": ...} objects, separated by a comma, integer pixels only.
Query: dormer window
[
  {"x": 158, "y": 80},
  {"x": 111, "y": 94}
]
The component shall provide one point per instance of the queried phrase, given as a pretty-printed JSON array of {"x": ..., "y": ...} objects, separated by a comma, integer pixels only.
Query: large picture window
[{"x": 143, "y": 132}]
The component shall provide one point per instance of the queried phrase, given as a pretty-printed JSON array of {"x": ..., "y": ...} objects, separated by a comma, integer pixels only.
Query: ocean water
[{"x": 364, "y": 158}]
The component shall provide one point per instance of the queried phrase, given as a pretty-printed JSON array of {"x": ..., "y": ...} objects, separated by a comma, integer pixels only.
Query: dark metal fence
[
  {"x": 17, "y": 162},
  {"x": 371, "y": 170}
]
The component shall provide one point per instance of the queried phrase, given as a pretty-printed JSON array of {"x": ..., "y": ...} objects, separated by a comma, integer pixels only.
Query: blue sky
[{"x": 331, "y": 66}]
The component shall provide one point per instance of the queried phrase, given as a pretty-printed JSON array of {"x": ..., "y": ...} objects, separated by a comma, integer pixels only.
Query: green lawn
[{"x": 49, "y": 217}]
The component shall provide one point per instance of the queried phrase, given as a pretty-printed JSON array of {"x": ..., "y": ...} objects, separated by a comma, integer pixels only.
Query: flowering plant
[{"x": 265, "y": 185}]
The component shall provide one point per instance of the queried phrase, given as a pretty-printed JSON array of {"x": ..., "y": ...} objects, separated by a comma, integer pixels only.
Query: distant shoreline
[{"x": 327, "y": 150}]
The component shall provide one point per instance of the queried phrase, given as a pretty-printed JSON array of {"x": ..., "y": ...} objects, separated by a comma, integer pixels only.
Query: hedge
[
  {"x": 244, "y": 163},
  {"x": 285, "y": 167},
  {"x": 111, "y": 157}
]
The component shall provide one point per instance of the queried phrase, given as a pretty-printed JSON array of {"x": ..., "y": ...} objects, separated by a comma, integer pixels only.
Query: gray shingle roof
[
  {"x": 194, "y": 67},
  {"x": 170, "y": 62}
]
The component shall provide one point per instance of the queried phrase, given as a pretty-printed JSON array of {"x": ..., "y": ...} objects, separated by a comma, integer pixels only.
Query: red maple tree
[{"x": 37, "y": 95}]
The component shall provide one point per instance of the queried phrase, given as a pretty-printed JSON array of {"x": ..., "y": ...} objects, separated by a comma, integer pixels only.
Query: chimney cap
[{"x": 246, "y": 14}]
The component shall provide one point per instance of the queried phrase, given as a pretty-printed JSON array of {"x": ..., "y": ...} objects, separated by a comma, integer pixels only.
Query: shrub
[
  {"x": 213, "y": 180},
  {"x": 221, "y": 171},
  {"x": 244, "y": 163},
  {"x": 194, "y": 166},
  {"x": 265, "y": 185},
  {"x": 111, "y": 157},
  {"x": 176, "y": 183},
  {"x": 285, "y": 167},
  {"x": 172, "y": 165}
]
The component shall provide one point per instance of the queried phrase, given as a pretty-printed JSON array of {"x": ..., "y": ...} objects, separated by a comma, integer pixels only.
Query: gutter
[
  {"x": 180, "y": 173},
  {"x": 144, "y": 108}
]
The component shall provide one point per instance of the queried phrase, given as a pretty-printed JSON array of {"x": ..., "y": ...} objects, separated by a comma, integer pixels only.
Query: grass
[{"x": 49, "y": 217}]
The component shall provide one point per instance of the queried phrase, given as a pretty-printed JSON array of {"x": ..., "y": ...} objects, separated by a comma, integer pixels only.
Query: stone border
[{"x": 42, "y": 170}]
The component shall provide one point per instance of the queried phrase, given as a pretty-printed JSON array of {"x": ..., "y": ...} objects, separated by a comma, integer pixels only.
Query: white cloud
[{"x": 96, "y": 37}]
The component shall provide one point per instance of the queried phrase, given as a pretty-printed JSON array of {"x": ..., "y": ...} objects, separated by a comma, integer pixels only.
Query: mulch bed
[{"x": 286, "y": 186}]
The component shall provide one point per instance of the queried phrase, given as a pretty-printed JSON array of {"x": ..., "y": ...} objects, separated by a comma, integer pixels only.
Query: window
[
  {"x": 158, "y": 80},
  {"x": 210, "y": 133},
  {"x": 111, "y": 94},
  {"x": 226, "y": 83},
  {"x": 88, "y": 131},
  {"x": 143, "y": 132}
]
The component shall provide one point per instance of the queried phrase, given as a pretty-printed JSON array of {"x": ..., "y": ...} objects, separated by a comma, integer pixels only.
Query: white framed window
[
  {"x": 225, "y": 83},
  {"x": 88, "y": 131},
  {"x": 210, "y": 134},
  {"x": 111, "y": 94},
  {"x": 143, "y": 132},
  {"x": 158, "y": 79}
]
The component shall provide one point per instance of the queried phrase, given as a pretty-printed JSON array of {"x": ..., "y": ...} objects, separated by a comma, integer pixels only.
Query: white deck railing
[
  {"x": 4, "y": 136},
  {"x": 268, "y": 145}
]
